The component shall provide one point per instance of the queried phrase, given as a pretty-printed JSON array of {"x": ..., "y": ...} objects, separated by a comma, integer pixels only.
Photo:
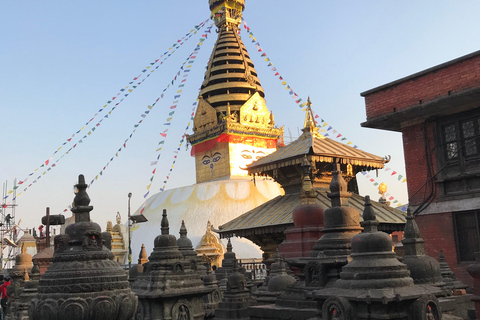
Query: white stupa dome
[{"x": 218, "y": 201}]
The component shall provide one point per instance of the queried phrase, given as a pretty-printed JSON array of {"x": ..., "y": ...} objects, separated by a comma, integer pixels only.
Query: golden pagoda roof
[
  {"x": 276, "y": 215},
  {"x": 321, "y": 149}
]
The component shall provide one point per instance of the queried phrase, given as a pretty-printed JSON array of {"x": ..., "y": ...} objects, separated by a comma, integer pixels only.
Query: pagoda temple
[{"x": 266, "y": 224}]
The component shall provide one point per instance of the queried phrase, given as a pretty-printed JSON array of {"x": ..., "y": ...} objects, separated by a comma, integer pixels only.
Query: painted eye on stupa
[
  {"x": 216, "y": 157},
  {"x": 260, "y": 154},
  {"x": 206, "y": 160},
  {"x": 246, "y": 156}
]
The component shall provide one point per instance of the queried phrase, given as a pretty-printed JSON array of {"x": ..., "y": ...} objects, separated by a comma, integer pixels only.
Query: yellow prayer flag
[
  {"x": 18, "y": 195},
  {"x": 325, "y": 124},
  {"x": 179, "y": 91},
  {"x": 83, "y": 128},
  {"x": 158, "y": 149},
  {"x": 323, "y": 130},
  {"x": 116, "y": 154},
  {"x": 59, "y": 148},
  {"x": 150, "y": 107},
  {"x": 404, "y": 180},
  {"x": 148, "y": 67},
  {"x": 349, "y": 142},
  {"x": 148, "y": 187},
  {"x": 89, "y": 132},
  {"x": 96, "y": 177},
  {"x": 10, "y": 192},
  {"x": 130, "y": 90},
  {"x": 284, "y": 83}
]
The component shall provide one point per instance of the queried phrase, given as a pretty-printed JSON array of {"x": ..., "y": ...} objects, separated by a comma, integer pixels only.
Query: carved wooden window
[
  {"x": 467, "y": 234},
  {"x": 458, "y": 153}
]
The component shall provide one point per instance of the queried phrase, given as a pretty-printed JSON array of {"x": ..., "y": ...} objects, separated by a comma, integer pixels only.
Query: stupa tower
[{"x": 232, "y": 125}]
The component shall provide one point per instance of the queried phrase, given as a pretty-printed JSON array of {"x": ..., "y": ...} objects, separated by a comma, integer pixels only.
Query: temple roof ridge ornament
[{"x": 309, "y": 126}]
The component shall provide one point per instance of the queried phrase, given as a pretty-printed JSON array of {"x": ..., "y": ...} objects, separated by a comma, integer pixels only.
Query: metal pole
[
  {"x": 47, "y": 238},
  {"x": 129, "y": 234}
]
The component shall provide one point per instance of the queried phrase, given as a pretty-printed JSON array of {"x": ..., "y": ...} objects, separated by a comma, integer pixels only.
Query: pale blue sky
[{"x": 62, "y": 60}]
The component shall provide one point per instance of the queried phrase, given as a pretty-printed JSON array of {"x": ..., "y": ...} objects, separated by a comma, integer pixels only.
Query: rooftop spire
[{"x": 309, "y": 124}]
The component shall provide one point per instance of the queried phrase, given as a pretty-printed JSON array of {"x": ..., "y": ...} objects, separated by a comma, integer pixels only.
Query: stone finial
[
  {"x": 338, "y": 188},
  {"x": 164, "y": 224},
  {"x": 411, "y": 230},
  {"x": 81, "y": 202},
  {"x": 143, "y": 257},
  {"x": 307, "y": 194},
  {"x": 183, "y": 230},
  {"x": 229, "y": 246},
  {"x": 370, "y": 223}
]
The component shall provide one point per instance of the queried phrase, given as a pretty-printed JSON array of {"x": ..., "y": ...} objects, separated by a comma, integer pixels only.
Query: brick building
[{"x": 438, "y": 113}]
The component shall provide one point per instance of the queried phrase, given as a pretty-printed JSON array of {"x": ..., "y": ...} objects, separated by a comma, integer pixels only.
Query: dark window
[
  {"x": 459, "y": 153},
  {"x": 467, "y": 234}
]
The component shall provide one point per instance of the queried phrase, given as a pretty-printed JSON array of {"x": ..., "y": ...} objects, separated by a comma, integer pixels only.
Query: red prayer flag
[{"x": 394, "y": 172}]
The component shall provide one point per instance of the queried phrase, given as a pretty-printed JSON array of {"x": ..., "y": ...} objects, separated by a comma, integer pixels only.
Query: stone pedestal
[{"x": 83, "y": 281}]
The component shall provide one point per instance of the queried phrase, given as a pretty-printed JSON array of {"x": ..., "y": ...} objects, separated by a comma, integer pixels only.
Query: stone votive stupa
[
  {"x": 169, "y": 288},
  {"x": 423, "y": 269},
  {"x": 375, "y": 284},
  {"x": 83, "y": 281},
  {"x": 236, "y": 299},
  {"x": 137, "y": 269},
  {"x": 186, "y": 248}
]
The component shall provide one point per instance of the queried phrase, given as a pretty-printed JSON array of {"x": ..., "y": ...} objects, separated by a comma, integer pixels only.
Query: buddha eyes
[
  {"x": 216, "y": 157},
  {"x": 206, "y": 160}
]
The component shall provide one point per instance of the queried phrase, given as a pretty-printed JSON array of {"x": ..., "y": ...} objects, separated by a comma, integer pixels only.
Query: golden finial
[
  {"x": 25, "y": 275},
  {"x": 119, "y": 218},
  {"x": 309, "y": 125},
  {"x": 382, "y": 189},
  {"x": 109, "y": 226}
]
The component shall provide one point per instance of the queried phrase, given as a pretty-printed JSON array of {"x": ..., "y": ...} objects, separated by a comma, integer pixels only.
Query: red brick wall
[
  {"x": 437, "y": 231},
  {"x": 415, "y": 160},
  {"x": 455, "y": 78}
]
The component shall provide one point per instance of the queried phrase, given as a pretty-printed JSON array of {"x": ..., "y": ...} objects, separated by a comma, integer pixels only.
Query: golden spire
[
  {"x": 227, "y": 13},
  {"x": 309, "y": 125},
  {"x": 231, "y": 78}
]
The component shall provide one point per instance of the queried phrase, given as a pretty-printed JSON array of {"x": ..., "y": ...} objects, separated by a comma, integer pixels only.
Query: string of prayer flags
[
  {"x": 179, "y": 146},
  {"x": 133, "y": 85},
  {"x": 190, "y": 60}
]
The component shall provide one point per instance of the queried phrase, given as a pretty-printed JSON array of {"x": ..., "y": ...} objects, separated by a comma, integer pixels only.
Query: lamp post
[{"x": 129, "y": 233}]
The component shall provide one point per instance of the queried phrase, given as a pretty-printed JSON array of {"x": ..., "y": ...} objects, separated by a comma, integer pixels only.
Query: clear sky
[{"x": 61, "y": 61}]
